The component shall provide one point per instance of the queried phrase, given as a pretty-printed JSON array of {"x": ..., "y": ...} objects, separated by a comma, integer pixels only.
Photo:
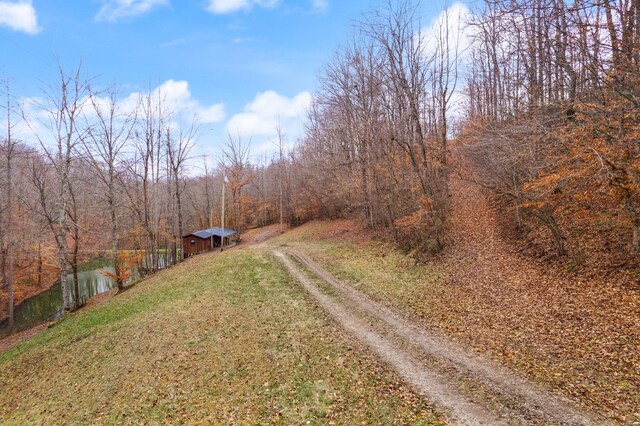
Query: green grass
[
  {"x": 378, "y": 269},
  {"x": 220, "y": 339},
  {"x": 578, "y": 338}
]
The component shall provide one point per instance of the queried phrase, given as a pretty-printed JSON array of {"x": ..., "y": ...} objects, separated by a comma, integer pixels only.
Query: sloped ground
[
  {"x": 221, "y": 339},
  {"x": 473, "y": 390},
  {"x": 259, "y": 235},
  {"x": 580, "y": 337},
  {"x": 196, "y": 343}
]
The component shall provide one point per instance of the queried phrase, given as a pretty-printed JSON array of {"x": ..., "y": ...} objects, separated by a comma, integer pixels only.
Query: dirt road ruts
[{"x": 472, "y": 390}]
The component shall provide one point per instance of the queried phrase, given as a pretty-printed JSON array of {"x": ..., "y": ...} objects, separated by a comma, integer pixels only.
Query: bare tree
[
  {"x": 178, "y": 149},
  {"x": 8, "y": 148},
  {"x": 377, "y": 135},
  {"x": 144, "y": 193},
  {"x": 281, "y": 165},
  {"x": 107, "y": 139},
  {"x": 238, "y": 170},
  {"x": 61, "y": 117}
]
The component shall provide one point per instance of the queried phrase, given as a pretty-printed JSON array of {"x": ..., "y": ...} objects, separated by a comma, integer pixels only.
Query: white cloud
[
  {"x": 230, "y": 6},
  {"x": 227, "y": 6},
  {"x": 178, "y": 101},
  {"x": 114, "y": 10},
  {"x": 176, "y": 96},
  {"x": 33, "y": 124},
  {"x": 450, "y": 31},
  {"x": 320, "y": 5},
  {"x": 19, "y": 16},
  {"x": 212, "y": 114},
  {"x": 450, "y": 24},
  {"x": 260, "y": 117}
]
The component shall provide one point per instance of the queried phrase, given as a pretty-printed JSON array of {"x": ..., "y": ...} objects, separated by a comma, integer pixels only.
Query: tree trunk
[
  {"x": 632, "y": 210},
  {"x": 114, "y": 241},
  {"x": 39, "y": 265},
  {"x": 75, "y": 249},
  {"x": 76, "y": 287},
  {"x": 180, "y": 247},
  {"x": 62, "y": 264},
  {"x": 9, "y": 228},
  {"x": 546, "y": 217},
  {"x": 74, "y": 267},
  {"x": 9, "y": 259}
]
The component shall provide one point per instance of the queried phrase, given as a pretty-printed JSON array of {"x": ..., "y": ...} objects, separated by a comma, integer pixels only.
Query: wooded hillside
[
  {"x": 552, "y": 121},
  {"x": 543, "y": 95}
]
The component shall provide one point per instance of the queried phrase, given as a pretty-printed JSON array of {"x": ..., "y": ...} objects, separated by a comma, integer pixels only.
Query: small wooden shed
[{"x": 205, "y": 240}]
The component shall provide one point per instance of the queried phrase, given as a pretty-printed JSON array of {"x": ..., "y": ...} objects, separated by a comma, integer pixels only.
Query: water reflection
[{"x": 47, "y": 305}]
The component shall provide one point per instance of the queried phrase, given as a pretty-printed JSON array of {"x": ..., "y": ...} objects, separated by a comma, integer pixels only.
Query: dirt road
[{"x": 470, "y": 389}]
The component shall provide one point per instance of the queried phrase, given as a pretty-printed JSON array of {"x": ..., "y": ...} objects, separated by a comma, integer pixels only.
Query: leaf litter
[{"x": 579, "y": 335}]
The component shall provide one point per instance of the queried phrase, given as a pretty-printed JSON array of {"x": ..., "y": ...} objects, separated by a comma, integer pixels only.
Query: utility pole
[
  {"x": 9, "y": 253},
  {"x": 280, "y": 187},
  {"x": 211, "y": 225},
  {"x": 222, "y": 215},
  {"x": 280, "y": 163}
]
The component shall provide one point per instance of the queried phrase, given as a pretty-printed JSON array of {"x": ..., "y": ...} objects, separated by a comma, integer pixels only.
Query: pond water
[{"x": 47, "y": 306}]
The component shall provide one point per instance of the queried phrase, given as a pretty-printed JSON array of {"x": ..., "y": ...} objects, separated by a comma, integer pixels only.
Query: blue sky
[{"x": 237, "y": 64}]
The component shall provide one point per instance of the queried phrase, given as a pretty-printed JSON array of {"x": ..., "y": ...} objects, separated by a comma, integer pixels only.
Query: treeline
[
  {"x": 553, "y": 116},
  {"x": 99, "y": 174},
  {"x": 550, "y": 125},
  {"x": 550, "y": 122},
  {"x": 377, "y": 135}
]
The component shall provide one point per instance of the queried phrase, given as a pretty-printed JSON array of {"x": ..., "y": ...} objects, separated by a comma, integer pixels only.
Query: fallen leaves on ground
[{"x": 578, "y": 334}]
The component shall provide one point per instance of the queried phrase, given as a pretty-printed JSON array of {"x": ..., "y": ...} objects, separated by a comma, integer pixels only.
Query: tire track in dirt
[
  {"x": 428, "y": 382},
  {"x": 496, "y": 395}
]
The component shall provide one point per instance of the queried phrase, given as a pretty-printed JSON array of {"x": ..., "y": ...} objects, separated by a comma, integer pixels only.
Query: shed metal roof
[{"x": 216, "y": 231}]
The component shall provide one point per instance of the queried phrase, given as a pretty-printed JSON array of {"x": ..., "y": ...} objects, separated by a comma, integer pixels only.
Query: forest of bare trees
[
  {"x": 552, "y": 119},
  {"x": 378, "y": 128},
  {"x": 550, "y": 123},
  {"x": 103, "y": 176}
]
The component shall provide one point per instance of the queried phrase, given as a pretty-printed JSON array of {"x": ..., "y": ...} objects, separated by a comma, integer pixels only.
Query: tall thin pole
[
  {"x": 280, "y": 162},
  {"x": 211, "y": 224},
  {"x": 281, "y": 209},
  {"x": 222, "y": 216},
  {"x": 210, "y": 202},
  {"x": 9, "y": 252}
]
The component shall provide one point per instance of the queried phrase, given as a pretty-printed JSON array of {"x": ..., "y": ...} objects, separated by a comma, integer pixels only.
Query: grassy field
[
  {"x": 374, "y": 267},
  {"x": 222, "y": 339},
  {"x": 577, "y": 338}
]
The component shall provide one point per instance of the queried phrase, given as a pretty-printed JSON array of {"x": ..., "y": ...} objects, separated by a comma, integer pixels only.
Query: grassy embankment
[
  {"x": 577, "y": 338},
  {"x": 225, "y": 338},
  {"x": 376, "y": 268}
]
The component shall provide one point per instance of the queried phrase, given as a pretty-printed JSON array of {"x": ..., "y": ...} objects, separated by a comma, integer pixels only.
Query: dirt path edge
[{"x": 533, "y": 400}]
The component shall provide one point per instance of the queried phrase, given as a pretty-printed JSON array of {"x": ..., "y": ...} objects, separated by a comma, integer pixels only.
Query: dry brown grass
[
  {"x": 221, "y": 339},
  {"x": 578, "y": 335}
]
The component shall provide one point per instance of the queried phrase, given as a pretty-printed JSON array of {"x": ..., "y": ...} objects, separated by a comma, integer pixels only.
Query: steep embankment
[
  {"x": 579, "y": 334},
  {"x": 579, "y": 337},
  {"x": 222, "y": 339}
]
